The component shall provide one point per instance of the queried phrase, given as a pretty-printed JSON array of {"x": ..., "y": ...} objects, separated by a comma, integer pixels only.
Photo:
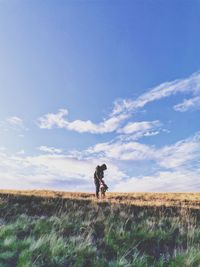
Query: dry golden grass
[{"x": 188, "y": 200}]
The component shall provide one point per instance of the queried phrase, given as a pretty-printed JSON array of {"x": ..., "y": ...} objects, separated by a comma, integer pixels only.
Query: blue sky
[{"x": 88, "y": 82}]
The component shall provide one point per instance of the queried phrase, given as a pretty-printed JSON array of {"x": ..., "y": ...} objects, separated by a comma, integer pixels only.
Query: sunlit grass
[{"x": 191, "y": 200}]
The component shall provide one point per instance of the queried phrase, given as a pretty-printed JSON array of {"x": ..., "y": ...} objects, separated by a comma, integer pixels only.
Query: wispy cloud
[
  {"x": 143, "y": 126},
  {"x": 192, "y": 103},
  {"x": 15, "y": 123},
  {"x": 124, "y": 108},
  {"x": 169, "y": 156},
  {"x": 179, "y": 154},
  {"x": 51, "y": 120},
  {"x": 123, "y": 150},
  {"x": 51, "y": 171},
  {"x": 137, "y": 130},
  {"x": 188, "y": 85},
  {"x": 52, "y": 150},
  {"x": 21, "y": 152},
  {"x": 75, "y": 170},
  {"x": 167, "y": 181},
  {"x": 59, "y": 120}
]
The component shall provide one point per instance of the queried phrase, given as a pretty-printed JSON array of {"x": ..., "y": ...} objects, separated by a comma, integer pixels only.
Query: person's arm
[{"x": 98, "y": 175}]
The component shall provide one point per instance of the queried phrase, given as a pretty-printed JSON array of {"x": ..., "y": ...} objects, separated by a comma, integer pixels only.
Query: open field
[
  {"x": 189, "y": 200},
  {"x": 49, "y": 228}
]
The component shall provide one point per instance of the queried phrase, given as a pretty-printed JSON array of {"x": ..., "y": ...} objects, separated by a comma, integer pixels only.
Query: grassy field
[{"x": 47, "y": 228}]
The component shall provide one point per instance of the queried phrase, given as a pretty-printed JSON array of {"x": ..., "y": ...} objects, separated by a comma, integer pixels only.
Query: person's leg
[
  {"x": 103, "y": 192},
  {"x": 97, "y": 190},
  {"x": 97, "y": 184}
]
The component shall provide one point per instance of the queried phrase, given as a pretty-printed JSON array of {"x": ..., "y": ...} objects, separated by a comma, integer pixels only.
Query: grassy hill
[{"x": 49, "y": 228}]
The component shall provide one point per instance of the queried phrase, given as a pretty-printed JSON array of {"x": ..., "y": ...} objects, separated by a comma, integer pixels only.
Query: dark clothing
[
  {"x": 98, "y": 176},
  {"x": 97, "y": 184},
  {"x": 98, "y": 173}
]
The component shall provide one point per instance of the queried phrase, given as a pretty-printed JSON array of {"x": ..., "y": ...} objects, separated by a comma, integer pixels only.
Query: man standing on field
[{"x": 98, "y": 177}]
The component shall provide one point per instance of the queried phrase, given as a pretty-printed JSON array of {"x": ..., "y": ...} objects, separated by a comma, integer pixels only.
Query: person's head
[{"x": 104, "y": 167}]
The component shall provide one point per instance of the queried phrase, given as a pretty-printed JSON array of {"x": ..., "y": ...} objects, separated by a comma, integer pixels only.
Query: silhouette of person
[{"x": 98, "y": 177}]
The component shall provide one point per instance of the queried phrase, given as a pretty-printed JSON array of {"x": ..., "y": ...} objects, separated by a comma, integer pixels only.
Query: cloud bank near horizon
[{"x": 175, "y": 167}]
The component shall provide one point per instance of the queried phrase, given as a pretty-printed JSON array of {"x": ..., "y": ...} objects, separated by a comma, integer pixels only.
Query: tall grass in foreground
[{"x": 52, "y": 232}]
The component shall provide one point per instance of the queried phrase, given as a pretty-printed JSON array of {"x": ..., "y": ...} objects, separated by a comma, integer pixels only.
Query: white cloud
[
  {"x": 188, "y": 85},
  {"x": 59, "y": 120},
  {"x": 123, "y": 151},
  {"x": 136, "y": 130},
  {"x": 21, "y": 152},
  {"x": 77, "y": 167},
  {"x": 47, "y": 170},
  {"x": 137, "y": 135},
  {"x": 51, "y": 120},
  {"x": 15, "y": 121},
  {"x": 143, "y": 126},
  {"x": 67, "y": 167},
  {"x": 192, "y": 103},
  {"x": 123, "y": 109},
  {"x": 170, "y": 156},
  {"x": 180, "y": 153},
  {"x": 52, "y": 150},
  {"x": 168, "y": 181},
  {"x": 174, "y": 171},
  {"x": 151, "y": 133}
]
